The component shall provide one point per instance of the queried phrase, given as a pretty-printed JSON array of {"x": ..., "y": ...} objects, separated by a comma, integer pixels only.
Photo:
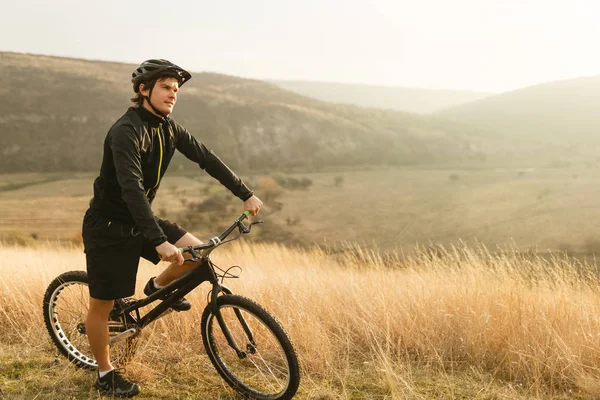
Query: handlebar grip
[{"x": 245, "y": 215}]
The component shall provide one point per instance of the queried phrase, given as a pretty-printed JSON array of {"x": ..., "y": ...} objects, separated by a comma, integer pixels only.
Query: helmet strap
[{"x": 147, "y": 98}]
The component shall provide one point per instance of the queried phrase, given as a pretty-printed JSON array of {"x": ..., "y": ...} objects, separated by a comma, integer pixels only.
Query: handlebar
[{"x": 208, "y": 247}]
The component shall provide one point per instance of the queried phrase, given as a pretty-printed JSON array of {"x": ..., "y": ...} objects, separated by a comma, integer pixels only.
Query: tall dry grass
[{"x": 364, "y": 326}]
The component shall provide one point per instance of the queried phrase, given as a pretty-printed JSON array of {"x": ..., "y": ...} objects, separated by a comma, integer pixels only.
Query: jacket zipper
[{"x": 159, "y": 161}]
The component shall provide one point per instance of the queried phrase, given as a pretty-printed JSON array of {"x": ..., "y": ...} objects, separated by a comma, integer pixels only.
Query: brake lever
[
  {"x": 247, "y": 229},
  {"x": 194, "y": 253}
]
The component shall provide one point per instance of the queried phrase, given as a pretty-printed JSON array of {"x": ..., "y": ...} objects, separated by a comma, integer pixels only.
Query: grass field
[
  {"x": 455, "y": 324},
  {"x": 392, "y": 209}
]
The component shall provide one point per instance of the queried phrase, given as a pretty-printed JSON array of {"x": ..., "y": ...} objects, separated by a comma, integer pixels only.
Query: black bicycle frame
[{"x": 178, "y": 289}]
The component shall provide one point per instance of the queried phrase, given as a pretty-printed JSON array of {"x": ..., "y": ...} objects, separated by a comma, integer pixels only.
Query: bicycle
[{"x": 247, "y": 345}]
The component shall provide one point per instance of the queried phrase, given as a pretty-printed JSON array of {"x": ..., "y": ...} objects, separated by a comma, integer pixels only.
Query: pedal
[{"x": 123, "y": 335}]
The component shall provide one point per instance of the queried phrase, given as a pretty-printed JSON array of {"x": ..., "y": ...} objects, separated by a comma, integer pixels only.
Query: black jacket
[{"x": 137, "y": 152}]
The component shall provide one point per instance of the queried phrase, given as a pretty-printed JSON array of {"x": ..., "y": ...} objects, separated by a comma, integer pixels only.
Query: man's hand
[
  {"x": 253, "y": 204},
  {"x": 170, "y": 253}
]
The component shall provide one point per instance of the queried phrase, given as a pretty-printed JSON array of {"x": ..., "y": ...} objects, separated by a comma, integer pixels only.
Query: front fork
[{"x": 251, "y": 347}]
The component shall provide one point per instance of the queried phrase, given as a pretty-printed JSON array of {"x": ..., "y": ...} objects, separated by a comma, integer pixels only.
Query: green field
[{"x": 542, "y": 209}]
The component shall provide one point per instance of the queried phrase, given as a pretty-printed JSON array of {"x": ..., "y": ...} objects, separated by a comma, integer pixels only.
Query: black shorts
[{"x": 113, "y": 252}]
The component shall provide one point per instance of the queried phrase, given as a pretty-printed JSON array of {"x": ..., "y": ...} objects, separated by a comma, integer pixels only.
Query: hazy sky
[{"x": 482, "y": 45}]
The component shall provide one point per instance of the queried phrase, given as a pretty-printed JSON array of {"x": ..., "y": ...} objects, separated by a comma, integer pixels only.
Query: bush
[
  {"x": 292, "y": 183},
  {"x": 292, "y": 221},
  {"x": 19, "y": 239},
  {"x": 269, "y": 189},
  {"x": 211, "y": 211}
]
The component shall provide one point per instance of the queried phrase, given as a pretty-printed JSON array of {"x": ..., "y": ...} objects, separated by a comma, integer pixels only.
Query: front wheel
[
  {"x": 267, "y": 367},
  {"x": 65, "y": 310}
]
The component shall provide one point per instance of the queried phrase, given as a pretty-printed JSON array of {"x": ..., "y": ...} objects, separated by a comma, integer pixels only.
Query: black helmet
[{"x": 151, "y": 68}]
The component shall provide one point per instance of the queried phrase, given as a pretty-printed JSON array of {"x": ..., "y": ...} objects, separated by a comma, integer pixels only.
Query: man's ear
[{"x": 143, "y": 89}]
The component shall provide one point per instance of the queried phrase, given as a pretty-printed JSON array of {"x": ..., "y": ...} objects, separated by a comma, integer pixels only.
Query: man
[{"x": 120, "y": 227}]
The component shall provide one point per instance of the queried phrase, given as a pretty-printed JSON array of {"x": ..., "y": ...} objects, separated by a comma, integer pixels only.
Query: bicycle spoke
[
  {"x": 83, "y": 298},
  {"x": 67, "y": 300},
  {"x": 266, "y": 370},
  {"x": 262, "y": 374},
  {"x": 275, "y": 367},
  {"x": 66, "y": 310}
]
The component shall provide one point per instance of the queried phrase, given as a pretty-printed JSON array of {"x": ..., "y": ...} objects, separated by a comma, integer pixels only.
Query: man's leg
[
  {"x": 109, "y": 381},
  {"x": 96, "y": 327},
  {"x": 175, "y": 271}
]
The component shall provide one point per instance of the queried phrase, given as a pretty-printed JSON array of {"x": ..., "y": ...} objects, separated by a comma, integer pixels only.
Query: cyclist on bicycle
[{"x": 120, "y": 227}]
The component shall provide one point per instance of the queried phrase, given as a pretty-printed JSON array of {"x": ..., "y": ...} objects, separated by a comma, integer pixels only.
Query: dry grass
[{"x": 460, "y": 323}]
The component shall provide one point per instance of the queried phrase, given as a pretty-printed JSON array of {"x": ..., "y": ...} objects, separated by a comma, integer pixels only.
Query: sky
[{"x": 477, "y": 45}]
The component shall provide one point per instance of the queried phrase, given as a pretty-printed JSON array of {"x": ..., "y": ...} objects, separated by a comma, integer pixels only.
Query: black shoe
[
  {"x": 180, "y": 305},
  {"x": 114, "y": 384}
]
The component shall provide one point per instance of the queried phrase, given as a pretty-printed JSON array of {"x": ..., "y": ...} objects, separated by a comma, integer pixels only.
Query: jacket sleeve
[
  {"x": 125, "y": 147},
  {"x": 207, "y": 160}
]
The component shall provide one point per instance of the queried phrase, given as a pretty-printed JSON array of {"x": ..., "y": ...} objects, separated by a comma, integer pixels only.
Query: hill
[
  {"x": 422, "y": 101},
  {"x": 56, "y": 112},
  {"x": 561, "y": 112}
]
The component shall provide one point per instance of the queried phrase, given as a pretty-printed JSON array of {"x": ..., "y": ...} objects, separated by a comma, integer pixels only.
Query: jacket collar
[{"x": 151, "y": 118}]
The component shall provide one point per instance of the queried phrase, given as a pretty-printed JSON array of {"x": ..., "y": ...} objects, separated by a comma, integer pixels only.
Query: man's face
[{"x": 164, "y": 95}]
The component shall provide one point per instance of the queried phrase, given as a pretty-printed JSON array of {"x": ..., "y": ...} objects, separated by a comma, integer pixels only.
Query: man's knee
[
  {"x": 100, "y": 307},
  {"x": 188, "y": 240}
]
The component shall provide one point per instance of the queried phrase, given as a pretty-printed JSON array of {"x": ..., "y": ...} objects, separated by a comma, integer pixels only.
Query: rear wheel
[
  {"x": 267, "y": 368},
  {"x": 66, "y": 303}
]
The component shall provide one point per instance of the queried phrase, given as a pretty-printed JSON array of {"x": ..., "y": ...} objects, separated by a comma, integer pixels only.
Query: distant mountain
[
  {"x": 55, "y": 113},
  {"x": 562, "y": 112},
  {"x": 422, "y": 101}
]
